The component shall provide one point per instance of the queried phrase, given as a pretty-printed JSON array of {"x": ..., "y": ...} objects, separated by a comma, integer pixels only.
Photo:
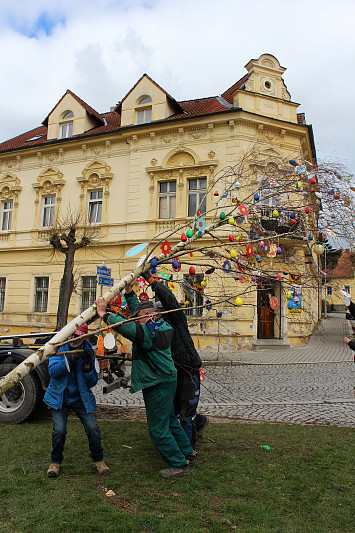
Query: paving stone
[{"x": 308, "y": 385}]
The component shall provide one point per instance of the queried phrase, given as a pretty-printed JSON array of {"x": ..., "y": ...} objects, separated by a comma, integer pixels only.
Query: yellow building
[
  {"x": 134, "y": 172},
  {"x": 342, "y": 277}
]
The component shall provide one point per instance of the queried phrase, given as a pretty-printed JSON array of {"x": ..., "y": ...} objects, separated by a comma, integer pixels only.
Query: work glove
[
  {"x": 74, "y": 357},
  {"x": 88, "y": 357}
]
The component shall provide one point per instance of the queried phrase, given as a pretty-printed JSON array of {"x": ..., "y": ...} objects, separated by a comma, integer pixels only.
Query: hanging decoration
[
  {"x": 243, "y": 209},
  {"x": 208, "y": 305},
  {"x": 143, "y": 297},
  {"x": 165, "y": 248},
  {"x": 200, "y": 224},
  {"x": 249, "y": 250},
  {"x": 189, "y": 234},
  {"x": 238, "y": 301},
  {"x": 227, "y": 267},
  {"x": 273, "y": 250},
  {"x": 273, "y": 302},
  {"x": 176, "y": 264},
  {"x": 136, "y": 249}
]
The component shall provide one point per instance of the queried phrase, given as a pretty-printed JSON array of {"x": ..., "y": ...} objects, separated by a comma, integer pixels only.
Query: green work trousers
[{"x": 164, "y": 428}]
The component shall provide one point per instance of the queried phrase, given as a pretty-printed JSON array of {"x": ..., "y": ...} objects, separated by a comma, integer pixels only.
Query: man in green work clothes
[{"x": 153, "y": 372}]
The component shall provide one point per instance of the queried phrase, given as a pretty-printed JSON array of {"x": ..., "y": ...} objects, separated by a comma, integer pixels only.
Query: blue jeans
[{"x": 60, "y": 417}]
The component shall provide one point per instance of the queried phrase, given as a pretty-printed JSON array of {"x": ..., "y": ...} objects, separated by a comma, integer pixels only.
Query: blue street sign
[
  {"x": 103, "y": 271},
  {"x": 105, "y": 280}
]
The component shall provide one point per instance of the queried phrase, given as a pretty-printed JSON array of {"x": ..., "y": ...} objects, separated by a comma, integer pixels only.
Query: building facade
[{"x": 135, "y": 172}]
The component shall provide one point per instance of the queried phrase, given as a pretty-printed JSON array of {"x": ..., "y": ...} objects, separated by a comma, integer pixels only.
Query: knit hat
[
  {"x": 158, "y": 306},
  {"x": 82, "y": 330},
  {"x": 141, "y": 306}
]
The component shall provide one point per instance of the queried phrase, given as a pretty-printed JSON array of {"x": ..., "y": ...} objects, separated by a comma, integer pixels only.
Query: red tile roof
[
  {"x": 109, "y": 122},
  {"x": 345, "y": 267},
  {"x": 228, "y": 94}
]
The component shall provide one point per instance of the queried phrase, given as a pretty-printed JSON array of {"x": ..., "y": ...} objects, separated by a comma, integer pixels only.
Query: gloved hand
[
  {"x": 347, "y": 301},
  {"x": 88, "y": 357},
  {"x": 146, "y": 275},
  {"x": 74, "y": 357}
]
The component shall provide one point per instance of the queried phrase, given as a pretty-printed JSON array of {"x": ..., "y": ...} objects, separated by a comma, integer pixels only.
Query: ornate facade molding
[
  {"x": 50, "y": 181},
  {"x": 10, "y": 188}
]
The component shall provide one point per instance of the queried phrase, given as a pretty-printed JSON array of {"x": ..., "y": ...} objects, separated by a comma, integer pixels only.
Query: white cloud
[{"x": 192, "y": 48}]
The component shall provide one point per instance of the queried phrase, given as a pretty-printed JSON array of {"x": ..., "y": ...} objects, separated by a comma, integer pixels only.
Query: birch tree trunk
[{"x": 44, "y": 352}]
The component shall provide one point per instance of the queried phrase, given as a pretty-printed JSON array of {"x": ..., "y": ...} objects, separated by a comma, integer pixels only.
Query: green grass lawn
[{"x": 305, "y": 483}]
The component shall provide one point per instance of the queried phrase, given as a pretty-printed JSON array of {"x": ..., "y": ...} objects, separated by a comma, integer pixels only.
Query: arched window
[
  {"x": 145, "y": 100},
  {"x": 144, "y": 115},
  {"x": 66, "y": 128}
]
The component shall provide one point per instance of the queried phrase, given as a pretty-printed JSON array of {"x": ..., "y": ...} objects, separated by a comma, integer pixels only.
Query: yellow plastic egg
[
  {"x": 231, "y": 221},
  {"x": 288, "y": 295},
  {"x": 233, "y": 254},
  {"x": 238, "y": 301},
  {"x": 203, "y": 283}
]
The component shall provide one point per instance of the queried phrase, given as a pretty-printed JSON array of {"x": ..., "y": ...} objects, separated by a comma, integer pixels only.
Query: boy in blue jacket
[{"x": 72, "y": 377}]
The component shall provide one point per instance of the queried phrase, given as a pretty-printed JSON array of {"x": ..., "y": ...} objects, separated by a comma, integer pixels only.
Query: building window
[
  {"x": 48, "y": 211},
  {"x": 144, "y": 115},
  {"x": 66, "y": 128},
  {"x": 41, "y": 295},
  {"x": 347, "y": 288},
  {"x": 167, "y": 199},
  {"x": 95, "y": 207},
  {"x": 197, "y": 196},
  {"x": 329, "y": 290},
  {"x": 88, "y": 294},
  {"x": 7, "y": 208},
  {"x": 192, "y": 294},
  {"x": 2, "y": 293}
]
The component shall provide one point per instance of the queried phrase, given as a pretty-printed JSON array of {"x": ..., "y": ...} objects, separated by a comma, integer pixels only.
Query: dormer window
[
  {"x": 66, "y": 128},
  {"x": 144, "y": 115}
]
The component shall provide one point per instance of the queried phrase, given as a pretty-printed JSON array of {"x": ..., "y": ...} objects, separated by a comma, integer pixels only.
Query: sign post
[{"x": 104, "y": 278}]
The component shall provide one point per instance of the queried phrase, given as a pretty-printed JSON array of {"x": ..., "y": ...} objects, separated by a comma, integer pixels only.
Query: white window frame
[
  {"x": 6, "y": 218},
  {"x": 66, "y": 130},
  {"x": 144, "y": 113},
  {"x": 197, "y": 297},
  {"x": 95, "y": 204},
  {"x": 87, "y": 292},
  {"x": 200, "y": 193},
  {"x": 170, "y": 196},
  {"x": 2, "y": 293},
  {"x": 41, "y": 294},
  {"x": 48, "y": 211}
]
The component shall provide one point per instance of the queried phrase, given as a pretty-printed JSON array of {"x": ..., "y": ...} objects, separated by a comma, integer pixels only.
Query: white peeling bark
[{"x": 44, "y": 352}]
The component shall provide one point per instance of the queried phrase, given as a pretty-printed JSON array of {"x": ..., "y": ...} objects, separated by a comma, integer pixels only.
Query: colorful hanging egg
[
  {"x": 219, "y": 314},
  {"x": 292, "y": 215},
  {"x": 313, "y": 180},
  {"x": 275, "y": 213},
  {"x": 293, "y": 163},
  {"x": 261, "y": 244},
  {"x": 278, "y": 250},
  {"x": 154, "y": 263},
  {"x": 298, "y": 185},
  {"x": 192, "y": 270},
  {"x": 183, "y": 237},
  {"x": 215, "y": 193},
  {"x": 233, "y": 254},
  {"x": 279, "y": 277},
  {"x": 231, "y": 238},
  {"x": 176, "y": 265},
  {"x": 238, "y": 301},
  {"x": 256, "y": 197},
  {"x": 231, "y": 221},
  {"x": 222, "y": 215},
  {"x": 307, "y": 210},
  {"x": 189, "y": 234},
  {"x": 204, "y": 283},
  {"x": 258, "y": 258},
  {"x": 288, "y": 295}
]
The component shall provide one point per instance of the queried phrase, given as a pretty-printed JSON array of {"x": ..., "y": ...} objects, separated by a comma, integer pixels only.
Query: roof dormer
[
  {"x": 263, "y": 91},
  {"x": 146, "y": 102},
  {"x": 71, "y": 116}
]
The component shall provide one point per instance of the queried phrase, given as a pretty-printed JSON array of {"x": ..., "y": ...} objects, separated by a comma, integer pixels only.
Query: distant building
[
  {"x": 342, "y": 277},
  {"x": 135, "y": 171}
]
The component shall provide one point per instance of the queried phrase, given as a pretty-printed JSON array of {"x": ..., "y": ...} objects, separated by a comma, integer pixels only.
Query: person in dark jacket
[
  {"x": 351, "y": 306},
  {"x": 187, "y": 362},
  {"x": 72, "y": 377},
  {"x": 154, "y": 373}
]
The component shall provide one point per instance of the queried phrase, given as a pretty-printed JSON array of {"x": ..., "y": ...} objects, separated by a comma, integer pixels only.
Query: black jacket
[{"x": 182, "y": 348}]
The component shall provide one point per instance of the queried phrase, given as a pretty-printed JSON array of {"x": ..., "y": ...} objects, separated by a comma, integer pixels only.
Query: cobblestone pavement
[{"x": 308, "y": 385}]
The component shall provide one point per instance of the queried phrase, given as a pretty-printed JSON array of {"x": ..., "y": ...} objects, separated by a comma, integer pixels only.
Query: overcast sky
[{"x": 192, "y": 48}]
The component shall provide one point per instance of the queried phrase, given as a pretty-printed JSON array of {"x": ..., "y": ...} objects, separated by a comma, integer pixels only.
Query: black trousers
[{"x": 186, "y": 401}]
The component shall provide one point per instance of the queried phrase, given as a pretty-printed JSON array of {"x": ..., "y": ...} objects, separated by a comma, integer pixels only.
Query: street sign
[
  {"x": 105, "y": 280},
  {"x": 103, "y": 271}
]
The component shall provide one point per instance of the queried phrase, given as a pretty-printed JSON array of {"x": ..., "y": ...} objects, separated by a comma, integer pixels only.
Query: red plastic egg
[
  {"x": 183, "y": 237},
  {"x": 192, "y": 271},
  {"x": 313, "y": 180},
  {"x": 231, "y": 238},
  {"x": 307, "y": 210}
]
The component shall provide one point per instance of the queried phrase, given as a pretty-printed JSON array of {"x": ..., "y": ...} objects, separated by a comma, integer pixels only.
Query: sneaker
[
  {"x": 193, "y": 459},
  {"x": 101, "y": 468},
  {"x": 176, "y": 472},
  {"x": 53, "y": 470},
  {"x": 200, "y": 428}
]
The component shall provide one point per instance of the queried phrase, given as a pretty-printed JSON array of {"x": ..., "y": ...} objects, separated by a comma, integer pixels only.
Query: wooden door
[{"x": 265, "y": 313}]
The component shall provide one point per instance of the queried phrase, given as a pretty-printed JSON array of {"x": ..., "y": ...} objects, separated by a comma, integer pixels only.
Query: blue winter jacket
[{"x": 58, "y": 370}]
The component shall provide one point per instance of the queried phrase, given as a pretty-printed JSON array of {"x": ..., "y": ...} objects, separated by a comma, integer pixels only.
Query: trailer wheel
[{"x": 21, "y": 401}]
